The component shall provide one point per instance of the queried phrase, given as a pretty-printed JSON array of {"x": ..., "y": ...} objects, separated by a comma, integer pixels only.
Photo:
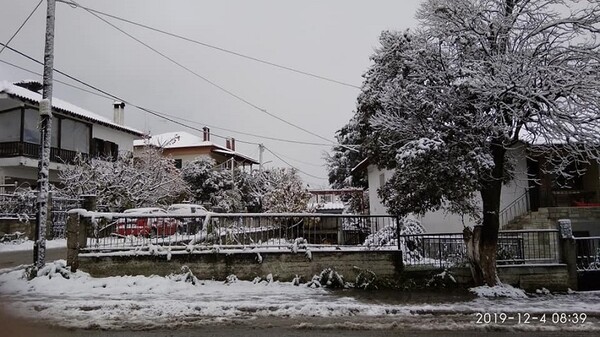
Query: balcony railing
[{"x": 31, "y": 150}]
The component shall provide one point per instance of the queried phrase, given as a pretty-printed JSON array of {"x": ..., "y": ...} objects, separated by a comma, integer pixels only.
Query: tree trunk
[{"x": 482, "y": 241}]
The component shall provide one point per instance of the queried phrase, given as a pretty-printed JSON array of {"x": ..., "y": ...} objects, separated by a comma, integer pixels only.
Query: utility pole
[
  {"x": 45, "y": 107},
  {"x": 261, "y": 149}
]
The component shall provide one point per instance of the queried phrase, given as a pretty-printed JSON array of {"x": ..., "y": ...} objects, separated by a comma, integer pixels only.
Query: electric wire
[
  {"x": 292, "y": 166},
  {"x": 55, "y": 80},
  {"x": 252, "y": 58},
  {"x": 158, "y": 114},
  {"x": 21, "y": 27},
  {"x": 214, "y": 84}
]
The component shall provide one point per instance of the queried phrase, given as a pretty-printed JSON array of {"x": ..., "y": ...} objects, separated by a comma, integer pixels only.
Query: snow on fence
[
  {"x": 22, "y": 206},
  {"x": 130, "y": 231},
  {"x": 514, "y": 247},
  {"x": 216, "y": 231}
]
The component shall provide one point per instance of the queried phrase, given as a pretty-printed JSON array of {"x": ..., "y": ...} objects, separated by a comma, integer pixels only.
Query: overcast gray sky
[{"x": 332, "y": 38}]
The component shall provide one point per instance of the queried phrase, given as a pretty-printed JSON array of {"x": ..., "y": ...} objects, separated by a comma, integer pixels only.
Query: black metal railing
[
  {"x": 588, "y": 253},
  {"x": 122, "y": 230},
  {"x": 32, "y": 150},
  {"x": 517, "y": 208},
  {"x": 22, "y": 206},
  {"x": 514, "y": 247}
]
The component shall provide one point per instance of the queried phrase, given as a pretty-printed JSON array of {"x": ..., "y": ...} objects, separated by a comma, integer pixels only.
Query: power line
[
  {"x": 115, "y": 97},
  {"x": 58, "y": 81},
  {"x": 156, "y": 113},
  {"x": 302, "y": 162},
  {"x": 21, "y": 26},
  {"x": 252, "y": 58},
  {"x": 294, "y": 167},
  {"x": 232, "y": 94}
]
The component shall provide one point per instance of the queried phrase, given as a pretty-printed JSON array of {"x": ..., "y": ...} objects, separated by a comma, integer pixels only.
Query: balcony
[{"x": 31, "y": 150}]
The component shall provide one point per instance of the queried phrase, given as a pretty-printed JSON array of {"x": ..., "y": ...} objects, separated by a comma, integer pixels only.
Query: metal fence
[
  {"x": 118, "y": 231},
  {"x": 514, "y": 247},
  {"x": 23, "y": 206},
  {"x": 123, "y": 231},
  {"x": 588, "y": 253}
]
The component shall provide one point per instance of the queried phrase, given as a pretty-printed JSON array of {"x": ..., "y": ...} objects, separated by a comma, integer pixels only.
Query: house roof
[
  {"x": 361, "y": 166},
  {"x": 182, "y": 139},
  {"x": 66, "y": 108},
  {"x": 335, "y": 191}
]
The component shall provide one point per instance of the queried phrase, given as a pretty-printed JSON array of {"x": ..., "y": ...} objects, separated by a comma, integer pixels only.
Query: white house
[
  {"x": 184, "y": 147},
  {"x": 74, "y": 130},
  {"x": 513, "y": 193}
]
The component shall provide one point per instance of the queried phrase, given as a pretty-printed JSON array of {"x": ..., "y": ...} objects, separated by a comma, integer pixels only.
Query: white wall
[
  {"x": 376, "y": 206},
  {"x": 123, "y": 139},
  {"x": 440, "y": 221}
]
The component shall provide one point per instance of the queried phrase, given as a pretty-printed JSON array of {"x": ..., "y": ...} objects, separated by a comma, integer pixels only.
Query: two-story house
[
  {"x": 74, "y": 130},
  {"x": 184, "y": 147}
]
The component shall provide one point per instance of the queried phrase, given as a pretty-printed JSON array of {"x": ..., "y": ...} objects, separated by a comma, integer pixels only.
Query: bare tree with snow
[
  {"x": 446, "y": 102},
  {"x": 282, "y": 191},
  {"x": 149, "y": 179}
]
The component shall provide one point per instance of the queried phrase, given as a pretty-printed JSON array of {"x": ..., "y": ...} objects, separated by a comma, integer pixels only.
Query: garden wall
[{"x": 284, "y": 266}]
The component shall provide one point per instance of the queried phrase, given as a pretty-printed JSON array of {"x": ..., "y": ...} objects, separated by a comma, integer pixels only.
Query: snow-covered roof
[
  {"x": 172, "y": 140},
  {"x": 182, "y": 139},
  {"x": 62, "y": 106}
]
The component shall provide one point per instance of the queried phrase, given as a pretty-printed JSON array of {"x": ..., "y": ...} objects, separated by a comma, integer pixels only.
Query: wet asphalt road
[{"x": 16, "y": 258}]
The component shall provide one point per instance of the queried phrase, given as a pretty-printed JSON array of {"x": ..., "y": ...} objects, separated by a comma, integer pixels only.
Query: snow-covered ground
[
  {"x": 28, "y": 245},
  {"x": 152, "y": 302}
]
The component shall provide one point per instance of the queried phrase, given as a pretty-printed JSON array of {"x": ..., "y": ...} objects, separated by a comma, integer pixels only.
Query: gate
[
  {"x": 588, "y": 263},
  {"x": 60, "y": 206}
]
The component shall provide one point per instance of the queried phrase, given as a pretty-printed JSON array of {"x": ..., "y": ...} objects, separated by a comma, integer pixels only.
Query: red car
[{"x": 146, "y": 225}]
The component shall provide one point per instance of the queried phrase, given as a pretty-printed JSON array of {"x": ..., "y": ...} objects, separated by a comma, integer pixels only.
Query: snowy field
[
  {"x": 158, "y": 302},
  {"x": 20, "y": 245}
]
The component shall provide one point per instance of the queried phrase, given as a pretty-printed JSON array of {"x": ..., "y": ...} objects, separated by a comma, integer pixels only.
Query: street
[
  {"x": 269, "y": 327},
  {"x": 15, "y": 258}
]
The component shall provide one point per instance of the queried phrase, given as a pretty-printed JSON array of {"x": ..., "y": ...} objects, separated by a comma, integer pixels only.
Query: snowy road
[{"x": 137, "y": 302}]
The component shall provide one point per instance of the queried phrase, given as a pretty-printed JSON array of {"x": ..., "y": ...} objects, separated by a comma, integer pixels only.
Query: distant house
[
  {"x": 530, "y": 190},
  {"x": 328, "y": 200},
  {"x": 74, "y": 130},
  {"x": 184, "y": 147}
]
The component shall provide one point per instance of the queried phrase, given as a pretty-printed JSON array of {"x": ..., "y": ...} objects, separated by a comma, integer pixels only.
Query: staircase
[{"x": 532, "y": 220}]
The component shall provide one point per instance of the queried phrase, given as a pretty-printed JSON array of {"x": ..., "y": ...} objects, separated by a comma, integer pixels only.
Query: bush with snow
[
  {"x": 186, "y": 275},
  {"x": 442, "y": 280},
  {"x": 148, "y": 179},
  {"x": 366, "y": 280},
  {"x": 409, "y": 244}
]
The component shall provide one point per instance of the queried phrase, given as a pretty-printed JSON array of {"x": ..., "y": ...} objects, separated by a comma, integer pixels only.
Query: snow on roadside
[
  {"x": 21, "y": 245},
  {"x": 117, "y": 302},
  {"x": 500, "y": 290}
]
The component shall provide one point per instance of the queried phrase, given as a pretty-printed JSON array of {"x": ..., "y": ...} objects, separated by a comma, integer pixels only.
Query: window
[
  {"x": 31, "y": 122},
  {"x": 75, "y": 136},
  {"x": 10, "y": 126},
  {"x": 55, "y": 132},
  {"x": 105, "y": 149},
  {"x": 381, "y": 180}
]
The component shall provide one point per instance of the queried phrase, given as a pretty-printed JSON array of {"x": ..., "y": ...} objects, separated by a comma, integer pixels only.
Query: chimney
[
  {"x": 119, "y": 113},
  {"x": 228, "y": 143},
  {"x": 206, "y": 132},
  {"x": 232, "y": 144}
]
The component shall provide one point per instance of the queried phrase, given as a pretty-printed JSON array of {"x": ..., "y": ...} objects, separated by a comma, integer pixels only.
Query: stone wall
[
  {"x": 284, "y": 266},
  {"x": 13, "y": 225}
]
